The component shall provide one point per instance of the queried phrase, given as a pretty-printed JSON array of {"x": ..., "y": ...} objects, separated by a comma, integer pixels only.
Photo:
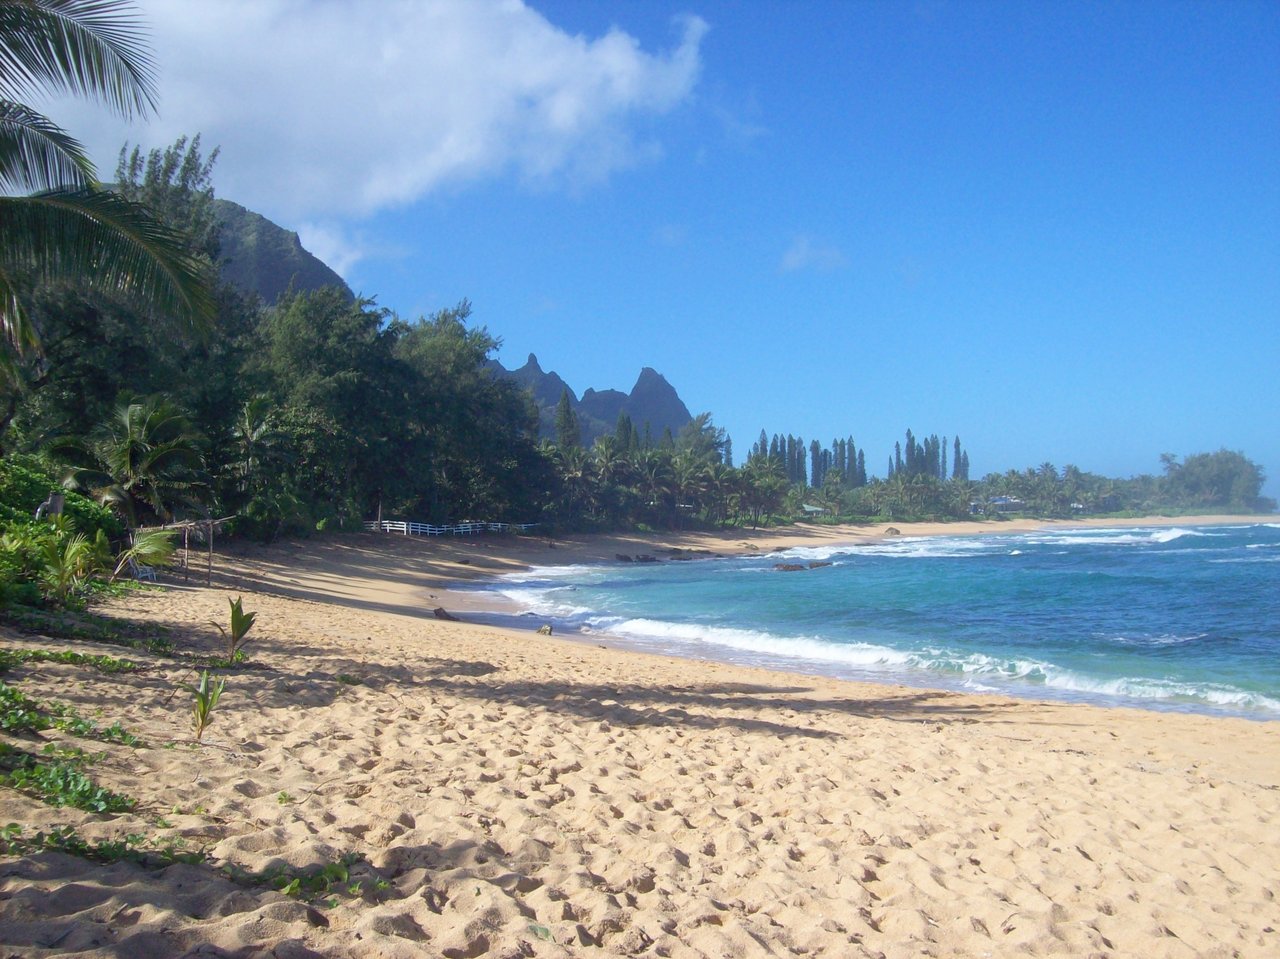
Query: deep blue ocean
[{"x": 1162, "y": 618}]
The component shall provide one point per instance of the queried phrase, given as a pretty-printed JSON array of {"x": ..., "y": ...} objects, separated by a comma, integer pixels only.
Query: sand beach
[{"x": 478, "y": 791}]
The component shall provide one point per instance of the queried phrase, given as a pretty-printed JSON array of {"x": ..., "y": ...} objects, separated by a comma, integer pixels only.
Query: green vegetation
[
  {"x": 91, "y": 627},
  {"x": 241, "y": 623},
  {"x": 58, "y": 783},
  {"x": 207, "y": 693},
  {"x": 63, "y": 226},
  {"x": 133, "y": 847},
  {"x": 56, "y": 562},
  {"x": 21, "y": 714},
  {"x": 321, "y": 411},
  {"x": 103, "y": 664},
  {"x": 327, "y": 879}
]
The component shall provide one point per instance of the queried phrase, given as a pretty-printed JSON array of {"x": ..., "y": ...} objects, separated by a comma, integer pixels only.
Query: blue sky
[{"x": 1050, "y": 228}]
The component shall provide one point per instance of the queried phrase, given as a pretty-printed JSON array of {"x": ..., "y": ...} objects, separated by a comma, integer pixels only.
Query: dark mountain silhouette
[
  {"x": 652, "y": 403},
  {"x": 258, "y": 256}
]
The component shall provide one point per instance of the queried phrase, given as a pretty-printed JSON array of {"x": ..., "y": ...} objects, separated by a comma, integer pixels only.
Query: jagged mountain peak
[{"x": 652, "y": 402}]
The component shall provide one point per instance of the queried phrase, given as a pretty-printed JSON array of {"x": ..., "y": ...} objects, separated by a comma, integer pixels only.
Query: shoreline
[
  {"x": 497, "y": 793},
  {"x": 490, "y": 607},
  {"x": 450, "y": 573}
]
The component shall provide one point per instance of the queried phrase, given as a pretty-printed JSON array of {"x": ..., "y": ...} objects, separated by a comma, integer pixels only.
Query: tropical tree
[
  {"x": 576, "y": 480},
  {"x": 655, "y": 482},
  {"x": 144, "y": 461},
  {"x": 256, "y": 440},
  {"x": 721, "y": 485},
  {"x": 57, "y": 223},
  {"x": 689, "y": 474}
]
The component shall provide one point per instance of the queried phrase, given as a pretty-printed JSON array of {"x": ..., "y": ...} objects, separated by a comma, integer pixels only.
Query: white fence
[{"x": 458, "y": 529}]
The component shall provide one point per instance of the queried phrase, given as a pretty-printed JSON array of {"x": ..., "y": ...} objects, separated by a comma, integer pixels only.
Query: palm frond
[
  {"x": 90, "y": 48},
  {"x": 113, "y": 243},
  {"x": 16, "y": 329},
  {"x": 36, "y": 154}
]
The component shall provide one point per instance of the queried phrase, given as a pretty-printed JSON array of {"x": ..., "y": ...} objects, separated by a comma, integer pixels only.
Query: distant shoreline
[{"x": 596, "y": 548}]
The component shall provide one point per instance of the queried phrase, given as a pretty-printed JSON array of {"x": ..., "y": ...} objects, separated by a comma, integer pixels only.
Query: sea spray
[{"x": 1178, "y": 618}]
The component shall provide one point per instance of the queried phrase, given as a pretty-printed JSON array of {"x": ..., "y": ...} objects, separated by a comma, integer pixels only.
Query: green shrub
[{"x": 25, "y": 483}]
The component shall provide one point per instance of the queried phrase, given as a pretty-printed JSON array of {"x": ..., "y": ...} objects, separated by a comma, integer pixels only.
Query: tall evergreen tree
[
  {"x": 568, "y": 429},
  {"x": 625, "y": 434}
]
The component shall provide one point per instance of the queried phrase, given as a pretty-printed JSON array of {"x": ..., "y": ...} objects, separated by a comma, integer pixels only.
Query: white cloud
[
  {"x": 806, "y": 253},
  {"x": 326, "y": 109},
  {"x": 337, "y": 248}
]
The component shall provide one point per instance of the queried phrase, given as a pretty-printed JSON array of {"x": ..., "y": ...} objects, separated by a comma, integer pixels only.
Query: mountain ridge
[
  {"x": 258, "y": 256},
  {"x": 262, "y": 258},
  {"x": 652, "y": 402}
]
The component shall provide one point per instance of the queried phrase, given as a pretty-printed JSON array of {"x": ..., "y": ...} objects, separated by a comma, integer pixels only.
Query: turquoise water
[{"x": 1184, "y": 618}]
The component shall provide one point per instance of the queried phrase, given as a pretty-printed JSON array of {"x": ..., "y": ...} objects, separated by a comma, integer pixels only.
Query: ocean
[{"x": 1184, "y": 619}]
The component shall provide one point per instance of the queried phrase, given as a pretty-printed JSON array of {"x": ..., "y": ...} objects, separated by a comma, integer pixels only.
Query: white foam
[
  {"x": 1117, "y": 537},
  {"x": 1148, "y": 642},
  {"x": 1169, "y": 691},
  {"x": 668, "y": 634}
]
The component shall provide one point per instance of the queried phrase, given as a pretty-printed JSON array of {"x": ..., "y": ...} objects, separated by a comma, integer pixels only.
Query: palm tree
[
  {"x": 256, "y": 441},
  {"x": 720, "y": 485},
  {"x": 146, "y": 461},
  {"x": 655, "y": 481},
  {"x": 577, "y": 483},
  {"x": 689, "y": 478},
  {"x": 56, "y": 221}
]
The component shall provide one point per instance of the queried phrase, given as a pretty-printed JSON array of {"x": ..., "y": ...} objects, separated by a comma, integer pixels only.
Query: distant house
[
  {"x": 811, "y": 510},
  {"x": 1006, "y": 504},
  {"x": 997, "y": 504}
]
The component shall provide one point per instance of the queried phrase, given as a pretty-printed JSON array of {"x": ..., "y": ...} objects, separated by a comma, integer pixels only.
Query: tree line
[{"x": 130, "y": 374}]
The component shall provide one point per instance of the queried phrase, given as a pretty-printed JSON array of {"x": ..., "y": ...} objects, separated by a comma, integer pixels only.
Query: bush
[{"x": 25, "y": 483}]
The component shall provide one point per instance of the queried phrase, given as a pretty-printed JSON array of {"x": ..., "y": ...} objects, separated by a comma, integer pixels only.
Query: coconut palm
[
  {"x": 689, "y": 482},
  {"x": 56, "y": 221},
  {"x": 145, "y": 461},
  {"x": 257, "y": 442},
  {"x": 654, "y": 480}
]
